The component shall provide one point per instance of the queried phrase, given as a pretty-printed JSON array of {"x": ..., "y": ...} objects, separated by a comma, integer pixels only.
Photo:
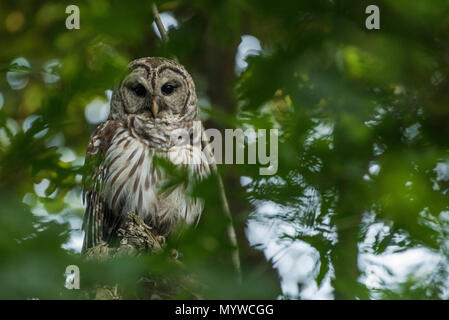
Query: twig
[
  {"x": 224, "y": 201},
  {"x": 159, "y": 24},
  {"x": 231, "y": 231}
]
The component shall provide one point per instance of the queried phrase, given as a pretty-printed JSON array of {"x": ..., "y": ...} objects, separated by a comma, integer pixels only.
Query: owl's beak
[{"x": 155, "y": 108}]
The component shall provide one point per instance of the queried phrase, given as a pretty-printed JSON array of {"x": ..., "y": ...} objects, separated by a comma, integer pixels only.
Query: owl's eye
[
  {"x": 168, "y": 88},
  {"x": 140, "y": 90}
]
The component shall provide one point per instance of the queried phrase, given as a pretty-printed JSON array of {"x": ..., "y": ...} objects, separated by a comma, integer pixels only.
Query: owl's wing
[{"x": 97, "y": 216}]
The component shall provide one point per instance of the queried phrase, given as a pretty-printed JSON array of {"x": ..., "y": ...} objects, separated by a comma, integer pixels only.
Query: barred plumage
[{"x": 145, "y": 115}]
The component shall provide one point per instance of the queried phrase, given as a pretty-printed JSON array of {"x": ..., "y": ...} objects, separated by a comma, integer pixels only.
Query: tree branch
[
  {"x": 159, "y": 24},
  {"x": 137, "y": 238}
]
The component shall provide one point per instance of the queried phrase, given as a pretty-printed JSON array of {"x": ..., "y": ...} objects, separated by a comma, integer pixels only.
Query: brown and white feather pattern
[
  {"x": 156, "y": 99},
  {"x": 126, "y": 180}
]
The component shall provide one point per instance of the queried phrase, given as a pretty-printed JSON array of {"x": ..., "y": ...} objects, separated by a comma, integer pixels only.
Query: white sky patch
[
  {"x": 49, "y": 75},
  {"x": 298, "y": 262},
  {"x": 374, "y": 169},
  {"x": 28, "y": 198},
  {"x": 70, "y": 214},
  {"x": 75, "y": 241},
  {"x": 377, "y": 117},
  {"x": 168, "y": 20},
  {"x": 442, "y": 170},
  {"x": 57, "y": 140},
  {"x": 108, "y": 94},
  {"x": 67, "y": 154},
  {"x": 394, "y": 268},
  {"x": 41, "y": 133},
  {"x": 391, "y": 267},
  {"x": 18, "y": 80},
  {"x": 79, "y": 161},
  {"x": 13, "y": 126},
  {"x": 244, "y": 181},
  {"x": 320, "y": 131},
  {"x": 74, "y": 202},
  {"x": 249, "y": 46},
  {"x": 412, "y": 132},
  {"x": 39, "y": 188},
  {"x": 294, "y": 260},
  {"x": 323, "y": 130},
  {"x": 28, "y": 122},
  {"x": 97, "y": 110}
]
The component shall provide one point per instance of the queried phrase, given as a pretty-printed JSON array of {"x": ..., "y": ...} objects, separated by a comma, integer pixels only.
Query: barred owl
[{"x": 154, "y": 101}]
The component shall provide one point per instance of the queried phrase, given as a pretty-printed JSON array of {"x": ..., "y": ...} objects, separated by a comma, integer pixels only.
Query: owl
[{"x": 152, "y": 104}]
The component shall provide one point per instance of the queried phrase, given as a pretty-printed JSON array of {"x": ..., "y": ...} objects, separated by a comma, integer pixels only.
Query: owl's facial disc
[
  {"x": 155, "y": 88},
  {"x": 160, "y": 95}
]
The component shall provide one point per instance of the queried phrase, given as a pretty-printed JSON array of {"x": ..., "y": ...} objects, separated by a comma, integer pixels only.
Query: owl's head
[{"x": 155, "y": 88}]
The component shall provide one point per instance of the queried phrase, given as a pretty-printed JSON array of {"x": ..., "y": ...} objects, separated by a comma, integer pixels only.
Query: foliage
[{"x": 362, "y": 122}]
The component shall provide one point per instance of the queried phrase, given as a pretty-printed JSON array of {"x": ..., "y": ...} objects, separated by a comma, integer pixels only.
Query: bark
[{"x": 137, "y": 238}]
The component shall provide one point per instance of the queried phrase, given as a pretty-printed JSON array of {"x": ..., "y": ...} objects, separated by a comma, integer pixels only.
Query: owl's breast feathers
[{"x": 122, "y": 177}]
